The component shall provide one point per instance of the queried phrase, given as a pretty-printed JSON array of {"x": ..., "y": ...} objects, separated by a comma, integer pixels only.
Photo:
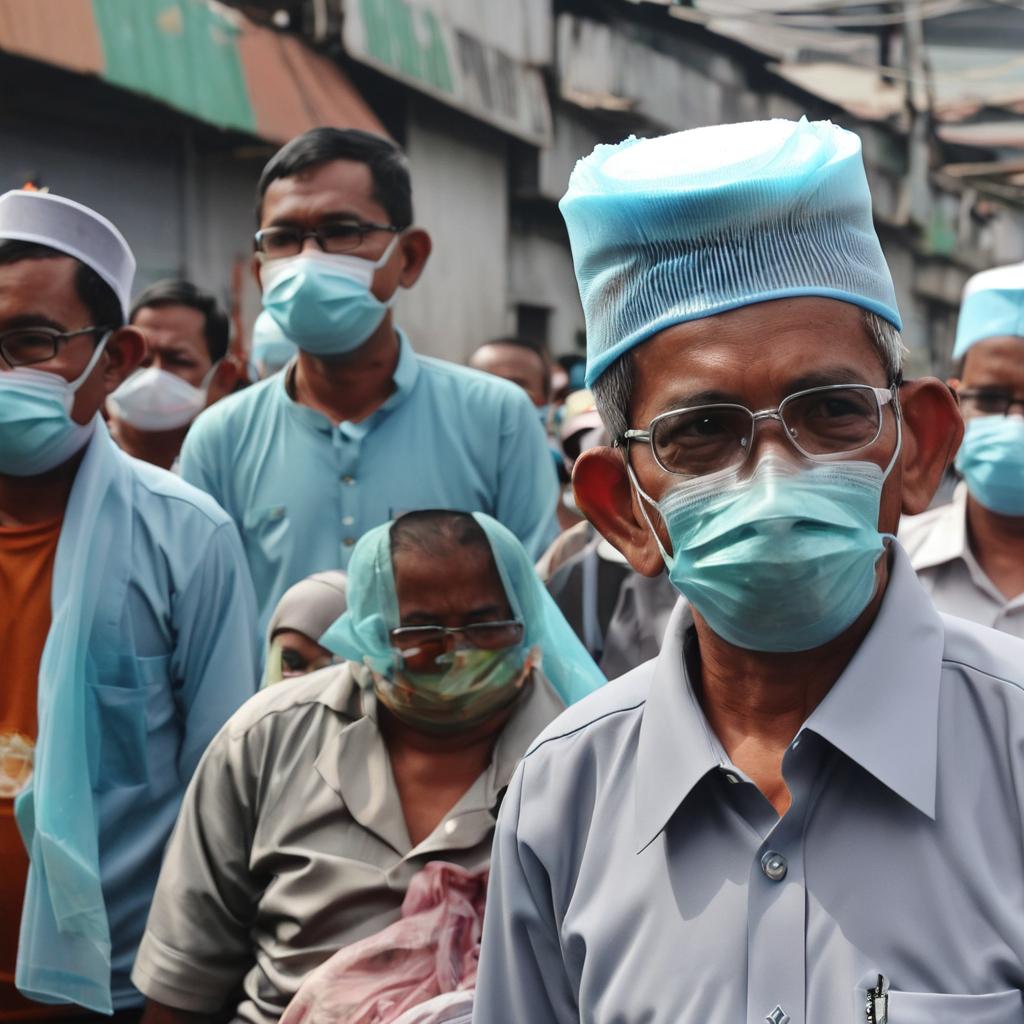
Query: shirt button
[
  {"x": 349, "y": 541},
  {"x": 348, "y": 480},
  {"x": 450, "y": 827},
  {"x": 348, "y": 520},
  {"x": 774, "y": 866}
]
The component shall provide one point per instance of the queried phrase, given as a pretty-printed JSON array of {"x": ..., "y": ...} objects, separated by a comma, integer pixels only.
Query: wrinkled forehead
[
  {"x": 756, "y": 354},
  {"x": 469, "y": 572}
]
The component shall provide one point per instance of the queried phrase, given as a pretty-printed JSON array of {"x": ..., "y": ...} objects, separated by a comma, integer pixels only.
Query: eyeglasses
[
  {"x": 420, "y": 645},
  {"x": 337, "y": 238},
  {"x": 983, "y": 402},
  {"x": 27, "y": 345},
  {"x": 820, "y": 423}
]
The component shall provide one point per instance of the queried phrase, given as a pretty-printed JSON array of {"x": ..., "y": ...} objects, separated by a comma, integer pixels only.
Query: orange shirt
[{"x": 26, "y": 576}]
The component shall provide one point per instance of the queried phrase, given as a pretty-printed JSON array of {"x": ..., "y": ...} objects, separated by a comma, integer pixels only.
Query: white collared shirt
[
  {"x": 639, "y": 875},
  {"x": 940, "y": 552}
]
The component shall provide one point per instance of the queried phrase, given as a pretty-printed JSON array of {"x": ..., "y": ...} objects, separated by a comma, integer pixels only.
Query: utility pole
[{"x": 916, "y": 204}]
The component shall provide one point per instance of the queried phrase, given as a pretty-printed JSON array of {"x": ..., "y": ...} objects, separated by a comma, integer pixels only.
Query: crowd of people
[{"x": 307, "y": 711}]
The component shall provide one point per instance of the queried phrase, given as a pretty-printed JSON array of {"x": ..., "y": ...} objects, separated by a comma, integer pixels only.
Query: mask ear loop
[
  {"x": 899, "y": 433},
  {"x": 74, "y": 385},
  {"x": 645, "y": 500}
]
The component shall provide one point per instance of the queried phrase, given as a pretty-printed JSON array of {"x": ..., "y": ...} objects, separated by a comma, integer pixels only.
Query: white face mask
[{"x": 153, "y": 399}]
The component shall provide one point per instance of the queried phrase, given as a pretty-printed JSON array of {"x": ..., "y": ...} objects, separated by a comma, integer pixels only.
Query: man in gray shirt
[{"x": 808, "y": 808}]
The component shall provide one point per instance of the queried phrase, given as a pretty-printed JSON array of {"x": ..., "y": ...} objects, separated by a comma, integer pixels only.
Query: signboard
[{"x": 410, "y": 40}]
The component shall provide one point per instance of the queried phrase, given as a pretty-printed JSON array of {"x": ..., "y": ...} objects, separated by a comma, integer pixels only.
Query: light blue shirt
[
  {"x": 174, "y": 644},
  {"x": 638, "y": 874},
  {"x": 302, "y": 491}
]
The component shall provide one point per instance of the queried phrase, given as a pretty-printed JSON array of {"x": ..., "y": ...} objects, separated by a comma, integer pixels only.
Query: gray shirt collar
[
  {"x": 354, "y": 761},
  {"x": 881, "y": 713}
]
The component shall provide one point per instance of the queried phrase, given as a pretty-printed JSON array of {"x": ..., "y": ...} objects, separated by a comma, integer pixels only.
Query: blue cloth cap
[
  {"x": 362, "y": 633},
  {"x": 688, "y": 225},
  {"x": 992, "y": 307}
]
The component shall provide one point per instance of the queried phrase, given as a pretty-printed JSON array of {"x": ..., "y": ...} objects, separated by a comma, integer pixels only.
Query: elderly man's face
[
  {"x": 472, "y": 590},
  {"x": 756, "y": 356}
]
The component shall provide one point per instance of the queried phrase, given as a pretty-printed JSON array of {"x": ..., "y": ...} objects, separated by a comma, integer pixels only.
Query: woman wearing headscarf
[
  {"x": 299, "y": 620},
  {"x": 321, "y": 800}
]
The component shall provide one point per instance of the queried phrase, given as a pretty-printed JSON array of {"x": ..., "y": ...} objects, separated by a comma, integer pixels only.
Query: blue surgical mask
[
  {"x": 991, "y": 460},
  {"x": 322, "y": 301},
  {"x": 781, "y": 560},
  {"x": 37, "y": 433}
]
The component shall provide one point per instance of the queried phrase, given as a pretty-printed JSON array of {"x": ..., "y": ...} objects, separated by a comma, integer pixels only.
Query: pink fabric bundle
[{"x": 434, "y": 948}]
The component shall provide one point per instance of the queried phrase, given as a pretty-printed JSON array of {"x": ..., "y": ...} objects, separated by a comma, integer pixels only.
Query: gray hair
[{"x": 613, "y": 390}]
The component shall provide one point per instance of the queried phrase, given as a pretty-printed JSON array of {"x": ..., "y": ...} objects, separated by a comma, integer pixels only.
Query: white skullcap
[{"x": 71, "y": 228}]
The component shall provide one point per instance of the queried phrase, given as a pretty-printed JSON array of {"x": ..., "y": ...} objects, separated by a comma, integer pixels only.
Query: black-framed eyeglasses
[
  {"x": 422, "y": 644},
  {"x": 24, "y": 346},
  {"x": 821, "y": 423},
  {"x": 336, "y": 238},
  {"x": 988, "y": 402}
]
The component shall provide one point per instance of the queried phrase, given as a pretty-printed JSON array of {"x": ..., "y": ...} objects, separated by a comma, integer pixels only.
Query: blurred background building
[{"x": 160, "y": 113}]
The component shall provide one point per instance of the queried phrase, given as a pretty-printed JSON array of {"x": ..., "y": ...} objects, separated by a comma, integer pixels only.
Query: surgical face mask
[
  {"x": 782, "y": 560},
  {"x": 991, "y": 460},
  {"x": 323, "y": 301},
  {"x": 153, "y": 399},
  {"x": 471, "y": 686},
  {"x": 37, "y": 433}
]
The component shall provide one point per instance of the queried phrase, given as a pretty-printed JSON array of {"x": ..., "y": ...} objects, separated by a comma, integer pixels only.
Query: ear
[
  {"x": 226, "y": 378},
  {"x": 932, "y": 431},
  {"x": 255, "y": 265},
  {"x": 415, "y": 246},
  {"x": 126, "y": 348},
  {"x": 606, "y": 497}
]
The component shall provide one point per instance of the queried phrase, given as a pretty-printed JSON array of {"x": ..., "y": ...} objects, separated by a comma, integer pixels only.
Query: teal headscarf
[{"x": 362, "y": 633}]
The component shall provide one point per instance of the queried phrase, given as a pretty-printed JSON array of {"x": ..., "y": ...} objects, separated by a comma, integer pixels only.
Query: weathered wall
[
  {"x": 460, "y": 194},
  {"x": 184, "y": 209}
]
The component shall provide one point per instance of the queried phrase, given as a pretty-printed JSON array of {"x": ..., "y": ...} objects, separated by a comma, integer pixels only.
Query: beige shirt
[
  {"x": 939, "y": 550},
  {"x": 292, "y": 843}
]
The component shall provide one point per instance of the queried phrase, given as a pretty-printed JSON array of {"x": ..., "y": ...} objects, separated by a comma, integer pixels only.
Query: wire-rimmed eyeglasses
[
  {"x": 423, "y": 644},
  {"x": 821, "y": 423}
]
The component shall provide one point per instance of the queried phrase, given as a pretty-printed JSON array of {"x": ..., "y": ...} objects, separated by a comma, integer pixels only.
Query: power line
[{"x": 794, "y": 19}]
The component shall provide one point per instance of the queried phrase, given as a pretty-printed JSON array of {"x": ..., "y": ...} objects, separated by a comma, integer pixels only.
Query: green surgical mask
[{"x": 471, "y": 686}]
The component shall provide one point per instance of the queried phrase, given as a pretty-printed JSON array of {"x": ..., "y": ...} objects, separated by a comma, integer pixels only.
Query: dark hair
[
  {"x": 388, "y": 167},
  {"x": 539, "y": 349},
  {"x": 93, "y": 292},
  {"x": 437, "y": 532},
  {"x": 216, "y": 328}
]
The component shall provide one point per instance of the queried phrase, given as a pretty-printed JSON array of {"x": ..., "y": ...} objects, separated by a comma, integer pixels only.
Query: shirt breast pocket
[
  {"x": 263, "y": 531},
  {"x": 932, "y": 1008},
  {"x": 122, "y": 718}
]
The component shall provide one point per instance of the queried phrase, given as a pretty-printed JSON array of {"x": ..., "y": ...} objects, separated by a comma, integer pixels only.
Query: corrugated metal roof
[{"x": 197, "y": 56}]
